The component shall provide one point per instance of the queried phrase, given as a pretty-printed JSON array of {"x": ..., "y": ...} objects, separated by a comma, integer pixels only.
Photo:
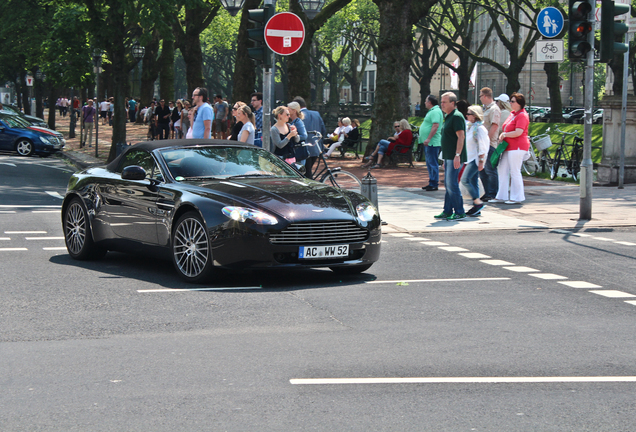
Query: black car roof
[{"x": 150, "y": 146}]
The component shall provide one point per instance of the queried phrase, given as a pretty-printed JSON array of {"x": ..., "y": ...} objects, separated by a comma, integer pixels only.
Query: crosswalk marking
[{"x": 613, "y": 294}]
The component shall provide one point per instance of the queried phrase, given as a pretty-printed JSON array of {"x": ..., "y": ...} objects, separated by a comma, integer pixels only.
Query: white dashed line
[
  {"x": 625, "y": 243},
  {"x": 603, "y": 239},
  {"x": 54, "y": 248},
  {"x": 547, "y": 276},
  {"x": 632, "y": 302},
  {"x": 521, "y": 269},
  {"x": 44, "y": 238},
  {"x": 580, "y": 284},
  {"x": 437, "y": 280},
  {"x": 473, "y": 255},
  {"x": 461, "y": 380},
  {"x": 453, "y": 249},
  {"x": 415, "y": 238},
  {"x": 46, "y": 211},
  {"x": 613, "y": 294},
  {"x": 5, "y": 238},
  {"x": 400, "y": 235},
  {"x": 12, "y": 249},
  {"x": 25, "y": 232},
  {"x": 434, "y": 243},
  {"x": 497, "y": 262}
]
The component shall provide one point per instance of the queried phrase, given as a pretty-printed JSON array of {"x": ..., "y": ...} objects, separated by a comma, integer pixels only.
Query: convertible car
[{"x": 206, "y": 204}]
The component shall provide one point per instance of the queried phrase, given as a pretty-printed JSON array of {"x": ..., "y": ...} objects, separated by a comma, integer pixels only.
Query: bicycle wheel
[
  {"x": 575, "y": 166},
  {"x": 554, "y": 169},
  {"x": 342, "y": 180},
  {"x": 546, "y": 161}
]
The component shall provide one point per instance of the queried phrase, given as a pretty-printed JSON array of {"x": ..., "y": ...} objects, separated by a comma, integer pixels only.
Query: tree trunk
[
  {"x": 166, "y": 77},
  {"x": 554, "y": 83},
  {"x": 119, "y": 75},
  {"x": 39, "y": 109},
  {"x": 425, "y": 89},
  {"x": 393, "y": 63},
  {"x": 244, "y": 69},
  {"x": 25, "y": 99},
  {"x": 513, "y": 84},
  {"x": 149, "y": 74},
  {"x": 52, "y": 107}
]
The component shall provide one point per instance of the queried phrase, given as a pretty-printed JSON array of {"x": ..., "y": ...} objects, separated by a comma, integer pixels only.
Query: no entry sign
[{"x": 284, "y": 33}]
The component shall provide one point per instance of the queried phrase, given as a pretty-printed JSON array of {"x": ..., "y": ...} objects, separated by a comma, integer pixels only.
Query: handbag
[
  {"x": 301, "y": 152},
  {"x": 494, "y": 158}
]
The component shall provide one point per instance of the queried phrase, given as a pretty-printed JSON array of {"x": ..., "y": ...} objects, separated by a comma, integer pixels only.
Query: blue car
[{"x": 16, "y": 134}]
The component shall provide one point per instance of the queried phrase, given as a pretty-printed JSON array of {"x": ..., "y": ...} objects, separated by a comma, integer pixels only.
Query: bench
[
  {"x": 397, "y": 157},
  {"x": 349, "y": 145}
]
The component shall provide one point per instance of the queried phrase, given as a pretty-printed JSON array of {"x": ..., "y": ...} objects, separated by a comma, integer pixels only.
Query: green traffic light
[{"x": 611, "y": 30}]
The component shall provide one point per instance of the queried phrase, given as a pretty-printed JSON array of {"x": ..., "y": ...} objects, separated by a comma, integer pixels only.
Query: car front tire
[
  {"x": 24, "y": 147},
  {"x": 191, "y": 253},
  {"x": 78, "y": 235}
]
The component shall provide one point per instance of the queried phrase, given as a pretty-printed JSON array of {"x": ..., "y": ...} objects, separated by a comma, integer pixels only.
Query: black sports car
[{"x": 207, "y": 204}]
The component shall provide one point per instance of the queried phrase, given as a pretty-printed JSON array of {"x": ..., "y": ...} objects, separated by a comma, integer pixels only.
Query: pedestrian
[
  {"x": 296, "y": 120},
  {"x": 503, "y": 102},
  {"x": 477, "y": 144},
  {"x": 162, "y": 120},
  {"x": 515, "y": 133},
  {"x": 88, "y": 117},
  {"x": 220, "y": 117},
  {"x": 111, "y": 110},
  {"x": 283, "y": 135},
  {"x": 342, "y": 131},
  {"x": 430, "y": 137},
  {"x": 132, "y": 106},
  {"x": 385, "y": 147},
  {"x": 103, "y": 110},
  {"x": 191, "y": 114},
  {"x": 454, "y": 155},
  {"x": 76, "y": 106},
  {"x": 248, "y": 130},
  {"x": 238, "y": 125},
  {"x": 202, "y": 125},
  {"x": 150, "y": 119},
  {"x": 185, "y": 118},
  {"x": 492, "y": 123},
  {"x": 257, "y": 108},
  {"x": 313, "y": 122},
  {"x": 176, "y": 119}
]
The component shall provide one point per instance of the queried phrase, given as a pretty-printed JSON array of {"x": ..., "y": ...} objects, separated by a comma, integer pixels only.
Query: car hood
[
  {"x": 45, "y": 131},
  {"x": 293, "y": 199}
]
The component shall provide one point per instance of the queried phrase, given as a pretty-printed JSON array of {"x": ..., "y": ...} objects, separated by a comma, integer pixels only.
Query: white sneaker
[
  {"x": 496, "y": 201},
  {"x": 512, "y": 202}
]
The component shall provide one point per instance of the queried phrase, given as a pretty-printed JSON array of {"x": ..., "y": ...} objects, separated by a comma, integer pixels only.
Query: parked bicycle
[
  {"x": 335, "y": 177},
  {"x": 570, "y": 159},
  {"x": 418, "y": 153},
  {"x": 539, "y": 158}
]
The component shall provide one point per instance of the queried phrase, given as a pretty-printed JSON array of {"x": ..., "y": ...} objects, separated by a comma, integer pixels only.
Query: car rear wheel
[
  {"x": 24, "y": 147},
  {"x": 77, "y": 233},
  {"x": 351, "y": 270},
  {"x": 191, "y": 252}
]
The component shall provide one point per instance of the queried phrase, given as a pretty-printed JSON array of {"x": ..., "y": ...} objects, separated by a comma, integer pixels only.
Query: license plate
[{"x": 321, "y": 252}]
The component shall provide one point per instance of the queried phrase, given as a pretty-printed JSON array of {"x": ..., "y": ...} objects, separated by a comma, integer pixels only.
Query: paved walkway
[{"x": 407, "y": 208}]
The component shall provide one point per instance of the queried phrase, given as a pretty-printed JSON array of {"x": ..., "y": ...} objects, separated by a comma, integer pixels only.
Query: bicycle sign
[{"x": 549, "y": 51}]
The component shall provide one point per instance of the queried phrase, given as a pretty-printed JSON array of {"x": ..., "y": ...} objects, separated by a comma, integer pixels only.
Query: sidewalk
[{"x": 407, "y": 208}]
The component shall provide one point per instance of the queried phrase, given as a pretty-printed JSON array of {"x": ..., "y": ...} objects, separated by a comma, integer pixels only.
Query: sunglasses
[
  {"x": 470, "y": 113},
  {"x": 396, "y": 126}
]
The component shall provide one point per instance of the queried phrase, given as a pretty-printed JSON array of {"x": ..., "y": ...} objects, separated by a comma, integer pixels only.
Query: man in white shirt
[{"x": 103, "y": 110}]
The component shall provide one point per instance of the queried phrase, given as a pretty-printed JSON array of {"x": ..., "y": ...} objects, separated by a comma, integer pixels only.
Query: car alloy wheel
[
  {"x": 24, "y": 147},
  {"x": 191, "y": 249},
  {"x": 77, "y": 234}
]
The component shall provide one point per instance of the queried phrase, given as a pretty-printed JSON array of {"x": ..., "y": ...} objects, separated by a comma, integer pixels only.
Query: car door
[
  {"x": 6, "y": 139},
  {"x": 132, "y": 204}
]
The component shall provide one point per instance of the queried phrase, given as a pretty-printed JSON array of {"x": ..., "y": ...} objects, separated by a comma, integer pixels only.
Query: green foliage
[{"x": 218, "y": 45}]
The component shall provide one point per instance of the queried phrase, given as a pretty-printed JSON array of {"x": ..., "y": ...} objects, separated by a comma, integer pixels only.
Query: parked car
[
  {"x": 217, "y": 204},
  {"x": 597, "y": 117},
  {"x": 16, "y": 134},
  {"x": 537, "y": 113},
  {"x": 36, "y": 121},
  {"x": 574, "y": 116}
]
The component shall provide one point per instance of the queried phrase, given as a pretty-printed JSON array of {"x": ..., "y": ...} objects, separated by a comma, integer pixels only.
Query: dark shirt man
[
  {"x": 313, "y": 122},
  {"x": 162, "y": 116}
]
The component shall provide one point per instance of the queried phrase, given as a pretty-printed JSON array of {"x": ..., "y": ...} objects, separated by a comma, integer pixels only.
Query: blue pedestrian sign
[{"x": 550, "y": 22}]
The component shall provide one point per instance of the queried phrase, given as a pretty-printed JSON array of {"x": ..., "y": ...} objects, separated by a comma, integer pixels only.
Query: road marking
[
  {"x": 462, "y": 380},
  {"x": 437, "y": 280},
  {"x": 434, "y": 243},
  {"x": 12, "y": 249},
  {"x": 613, "y": 294},
  {"x": 547, "y": 276},
  {"x": 603, "y": 239},
  {"x": 54, "y": 248},
  {"x": 521, "y": 269},
  {"x": 8, "y": 163},
  {"x": 453, "y": 249},
  {"x": 30, "y": 206},
  {"x": 474, "y": 255},
  {"x": 581, "y": 235},
  {"x": 5, "y": 238},
  {"x": 25, "y": 232},
  {"x": 633, "y": 302},
  {"x": 55, "y": 194},
  {"x": 415, "y": 238},
  {"x": 560, "y": 231},
  {"x": 197, "y": 289},
  {"x": 44, "y": 238},
  {"x": 400, "y": 235},
  {"x": 46, "y": 211},
  {"x": 625, "y": 243},
  {"x": 497, "y": 262},
  {"x": 580, "y": 284}
]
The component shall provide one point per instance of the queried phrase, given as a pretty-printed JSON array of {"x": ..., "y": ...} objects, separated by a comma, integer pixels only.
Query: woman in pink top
[{"x": 515, "y": 133}]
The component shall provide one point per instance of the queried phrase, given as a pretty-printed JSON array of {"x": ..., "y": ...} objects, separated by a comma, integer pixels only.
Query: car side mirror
[{"x": 133, "y": 172}]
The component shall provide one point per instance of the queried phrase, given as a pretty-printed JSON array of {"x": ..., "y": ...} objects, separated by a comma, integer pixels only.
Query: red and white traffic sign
[
  {"x": 284, "y": 33},
  {"x": 29, "y": 81}
]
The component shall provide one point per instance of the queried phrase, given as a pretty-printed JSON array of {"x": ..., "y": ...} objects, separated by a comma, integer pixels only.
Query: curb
[{"x": 80, "y": 160}]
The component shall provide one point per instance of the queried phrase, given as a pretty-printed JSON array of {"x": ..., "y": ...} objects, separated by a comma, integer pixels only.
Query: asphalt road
[{"x": 122, "y": 344}]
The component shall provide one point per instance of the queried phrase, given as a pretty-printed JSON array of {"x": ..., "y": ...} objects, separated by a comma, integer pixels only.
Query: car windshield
[
  {"x": 223, "y": 163},
  {"x": 14, "y": 121}
]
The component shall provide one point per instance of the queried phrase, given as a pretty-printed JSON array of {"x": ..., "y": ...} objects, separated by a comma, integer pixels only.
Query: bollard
[{"x": 370, "y": 189}]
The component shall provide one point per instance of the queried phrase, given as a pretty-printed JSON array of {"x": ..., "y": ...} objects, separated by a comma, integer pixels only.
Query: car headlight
[
  {"x": 366, "y": 211},
  {"x": 242, "y": 214},
  {"x": 45, "y": 140}
]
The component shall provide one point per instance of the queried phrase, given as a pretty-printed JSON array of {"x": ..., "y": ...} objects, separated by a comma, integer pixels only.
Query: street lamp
[
  {"x": 138, "y": 53},
  {"x": 233, "y": 6},
  {"x": 312, "y": 7}
]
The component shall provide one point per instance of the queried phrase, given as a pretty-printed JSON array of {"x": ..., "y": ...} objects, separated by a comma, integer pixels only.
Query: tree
[
  {"x": 428, "y": 55},
  {"x": 219, "y": 42}
]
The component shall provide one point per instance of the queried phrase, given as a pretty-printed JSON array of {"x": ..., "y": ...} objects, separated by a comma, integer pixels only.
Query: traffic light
[
  {"x": 579, "y": 27},
  {"x": 610, "y": 30},
  {"x": 259, "y": 17}
]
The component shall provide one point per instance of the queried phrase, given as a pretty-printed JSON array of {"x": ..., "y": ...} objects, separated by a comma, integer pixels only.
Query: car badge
[{"x": 318, "y": 211}]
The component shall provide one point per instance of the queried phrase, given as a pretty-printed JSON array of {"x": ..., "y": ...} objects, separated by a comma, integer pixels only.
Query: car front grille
[{"x": 309, "y": 233}]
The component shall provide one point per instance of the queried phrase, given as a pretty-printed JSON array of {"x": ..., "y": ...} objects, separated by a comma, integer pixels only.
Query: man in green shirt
[
  {"x": 454, "y": 155},
  {"x": 430, "y": 137}
]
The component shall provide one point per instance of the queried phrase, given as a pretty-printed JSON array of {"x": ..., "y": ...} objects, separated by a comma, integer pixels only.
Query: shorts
[
  {"x": 221, "y": 125},
  {"x": 103, "y": 114}
]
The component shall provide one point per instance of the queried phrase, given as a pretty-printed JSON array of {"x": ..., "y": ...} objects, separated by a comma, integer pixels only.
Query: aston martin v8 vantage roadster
[{"x": 209, "y": 204}]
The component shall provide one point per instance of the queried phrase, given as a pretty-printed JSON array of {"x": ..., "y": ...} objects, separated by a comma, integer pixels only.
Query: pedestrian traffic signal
[
  {"x": 611, "y": 30},
  {"x": 580, "y": 26},
  {"x": 259, "y": 17}
]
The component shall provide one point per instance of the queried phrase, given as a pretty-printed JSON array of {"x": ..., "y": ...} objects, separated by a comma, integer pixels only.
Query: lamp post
[
  {"x": 138, "y": 53},
  {"x": 312, "y": 7},
  {"x": 233, "y": 6},
  {"x": 97, "y": 59}
]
